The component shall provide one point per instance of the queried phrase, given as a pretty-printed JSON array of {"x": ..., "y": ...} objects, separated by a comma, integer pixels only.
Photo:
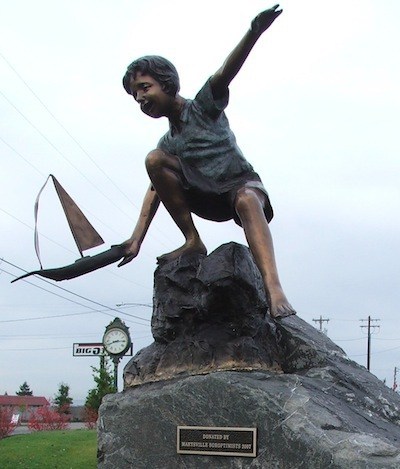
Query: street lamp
[{"x": 116, "y": 341}]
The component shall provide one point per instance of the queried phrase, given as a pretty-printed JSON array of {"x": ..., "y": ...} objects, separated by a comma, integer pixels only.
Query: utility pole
[
  {"x": 321, "y": 320},
  {"x": 369, "y": 327}
]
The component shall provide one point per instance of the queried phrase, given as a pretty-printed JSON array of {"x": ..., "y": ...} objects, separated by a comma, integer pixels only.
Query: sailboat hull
[{"x": 81, "y": 266}]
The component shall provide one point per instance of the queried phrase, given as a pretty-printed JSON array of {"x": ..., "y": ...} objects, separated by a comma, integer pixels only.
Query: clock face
[{"x": 115, "y": 341}]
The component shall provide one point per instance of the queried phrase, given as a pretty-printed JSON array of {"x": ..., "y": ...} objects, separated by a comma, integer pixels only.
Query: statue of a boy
[{"x": 197, "y": 166}]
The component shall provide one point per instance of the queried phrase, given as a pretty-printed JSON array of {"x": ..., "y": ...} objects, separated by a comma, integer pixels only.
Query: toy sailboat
[{"x": 85, "y": 236}]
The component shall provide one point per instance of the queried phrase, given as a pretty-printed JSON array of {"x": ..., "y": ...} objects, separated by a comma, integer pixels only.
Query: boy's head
[{"x": 158, "y": 68}]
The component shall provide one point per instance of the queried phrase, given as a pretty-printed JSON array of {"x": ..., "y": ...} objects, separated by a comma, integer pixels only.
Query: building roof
[{"x": 23, "y": 401}]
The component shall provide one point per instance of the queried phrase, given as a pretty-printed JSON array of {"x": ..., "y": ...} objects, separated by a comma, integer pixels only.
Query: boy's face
[{"x": 148, "y": 93}]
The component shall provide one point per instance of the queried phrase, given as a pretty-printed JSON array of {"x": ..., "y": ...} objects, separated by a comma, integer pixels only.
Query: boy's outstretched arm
[
  {"x": 132, "y": 245},
  {"x": 224, "y": 75}
]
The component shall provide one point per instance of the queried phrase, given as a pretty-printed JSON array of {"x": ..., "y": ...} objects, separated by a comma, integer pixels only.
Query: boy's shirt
[{"x": 206, "y": 141}]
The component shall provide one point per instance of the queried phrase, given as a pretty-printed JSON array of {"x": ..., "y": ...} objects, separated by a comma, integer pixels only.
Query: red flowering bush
[
  {"x": 6, "y": 425},
  {"x": 90, "y": 418},
  {"x": 46, "y": 418}
]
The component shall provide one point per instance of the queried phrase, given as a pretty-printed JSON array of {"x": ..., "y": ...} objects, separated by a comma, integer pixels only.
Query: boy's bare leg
[
  {"x": 249, "y": 205},
  {"x": 163, "y": 170}
]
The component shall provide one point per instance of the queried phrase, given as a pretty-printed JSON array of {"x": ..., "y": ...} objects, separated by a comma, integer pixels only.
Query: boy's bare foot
[
  {"x": 282, "y": 311},
  {"x": 280, "y": 306},
  {"x": 188, "y": 248}
]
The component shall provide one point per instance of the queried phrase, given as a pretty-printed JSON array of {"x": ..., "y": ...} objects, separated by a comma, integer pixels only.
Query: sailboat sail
[{"x": 85, "y": 235}]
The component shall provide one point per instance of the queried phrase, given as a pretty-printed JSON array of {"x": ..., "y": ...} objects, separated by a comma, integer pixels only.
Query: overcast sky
[{"x": 315, "y": 109}]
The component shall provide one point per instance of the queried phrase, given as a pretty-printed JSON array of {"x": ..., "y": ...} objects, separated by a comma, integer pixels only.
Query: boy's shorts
[{"x": 216, "y": 200}]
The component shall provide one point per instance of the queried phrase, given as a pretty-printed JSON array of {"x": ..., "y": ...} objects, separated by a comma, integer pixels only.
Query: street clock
[{"x": 116, "y": 339}]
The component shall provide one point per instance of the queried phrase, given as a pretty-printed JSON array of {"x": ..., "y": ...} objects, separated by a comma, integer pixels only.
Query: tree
[
  {"x": 24, "y": 390},
  {"x": 62, "y": 401},
  {"x": 104, "y": 380},
  {"x": 7, "y": 425}
]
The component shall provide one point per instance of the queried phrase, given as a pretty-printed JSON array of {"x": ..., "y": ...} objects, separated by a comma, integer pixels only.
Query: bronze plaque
[{"x": 221, "y": 441}]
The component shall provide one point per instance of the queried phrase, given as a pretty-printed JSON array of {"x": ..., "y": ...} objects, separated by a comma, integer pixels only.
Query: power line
[
  {"x": 383, "y": 338},
  {"x": 40, "y": 336},
  {"x": 63, "y": 156},
  {"x": 70, "y": 292},
  {"x": 75, "y": 302},
  {"x": 31, "y": 228},
  {"x": 160, "y": 241},
  {"x": 347, "y": 340},
  {"x": 23, "y": 157},
  {"x": 53, "y": 336},
  {"x": 69, "y": 250},
  {"x": 73, "y": 139},
  {"x": 44, "y": 175},
  {"x": 375, "y": 353},
  {"x": 38, "y": 318},
  {"x": 33, "y": 349},
  {"x": 362, "y": 338},
  {"x": 130, "y": 305},
  {"x": 55, "y": 316},
  {"x": 67, "y": 132}
]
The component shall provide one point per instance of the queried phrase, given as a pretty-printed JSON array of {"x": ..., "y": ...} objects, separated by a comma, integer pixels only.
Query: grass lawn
[{"x": 62, "y": 449}]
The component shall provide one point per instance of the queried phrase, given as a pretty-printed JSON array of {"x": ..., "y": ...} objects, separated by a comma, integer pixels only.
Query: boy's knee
[
  {"x": 155, "y": 159},
  {"x": 246, "y": 198},
  {"x": 158, "y": 159}
]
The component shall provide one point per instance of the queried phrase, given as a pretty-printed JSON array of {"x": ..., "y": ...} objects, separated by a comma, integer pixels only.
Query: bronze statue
[{"x": 197, "y": 166}]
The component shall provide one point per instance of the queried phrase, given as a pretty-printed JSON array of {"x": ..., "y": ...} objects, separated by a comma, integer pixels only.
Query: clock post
[{"x": 116, "y": 342}]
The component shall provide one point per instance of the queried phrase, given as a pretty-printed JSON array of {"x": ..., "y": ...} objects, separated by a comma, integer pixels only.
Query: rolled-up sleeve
[{"x": 211, "y": 106}]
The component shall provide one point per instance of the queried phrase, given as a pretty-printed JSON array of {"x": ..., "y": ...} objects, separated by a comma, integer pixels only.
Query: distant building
[
  {"x": 23, "y": 405},
  {"x": 77, "y": 413}
]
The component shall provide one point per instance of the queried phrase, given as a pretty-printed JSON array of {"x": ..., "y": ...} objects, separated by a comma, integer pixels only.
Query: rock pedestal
[{"x": 218, "y": 360}]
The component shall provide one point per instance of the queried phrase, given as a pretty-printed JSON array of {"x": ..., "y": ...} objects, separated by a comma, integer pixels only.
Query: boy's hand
[
  {"x": 264, "y": 20},
  {"x": 131, "y": 250}
]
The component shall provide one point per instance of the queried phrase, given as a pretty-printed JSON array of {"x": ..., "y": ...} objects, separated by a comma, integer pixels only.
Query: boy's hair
[{"x": 158, "y": 68}]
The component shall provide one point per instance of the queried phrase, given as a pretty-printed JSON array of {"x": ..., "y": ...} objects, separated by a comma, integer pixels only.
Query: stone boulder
[{"x": 219, "y": 360}]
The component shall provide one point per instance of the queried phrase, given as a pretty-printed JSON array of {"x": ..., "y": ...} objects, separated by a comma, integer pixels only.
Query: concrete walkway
[{"x": 24, "y": 430}]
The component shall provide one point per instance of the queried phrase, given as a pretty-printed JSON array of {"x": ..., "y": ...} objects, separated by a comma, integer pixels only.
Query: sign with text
[
  {"x": 220, "y": 441},
  {"x": 93, "y": 349},
  {"x": 88, "y": 350}
]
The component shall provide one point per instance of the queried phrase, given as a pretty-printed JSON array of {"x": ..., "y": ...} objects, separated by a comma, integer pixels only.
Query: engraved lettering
[
  {"x": 221, "y": 441},
  {"x": 212, "y": 436}
]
